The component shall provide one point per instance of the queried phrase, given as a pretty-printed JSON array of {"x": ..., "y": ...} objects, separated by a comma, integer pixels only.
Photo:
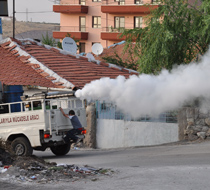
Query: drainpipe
[
  {"x": 0, "y": 30},
  {"x": 106, "y": 24},
  {"x": 13, "y": 18}
]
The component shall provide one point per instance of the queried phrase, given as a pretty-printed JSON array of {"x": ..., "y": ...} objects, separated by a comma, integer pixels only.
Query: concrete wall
[{"x": 119, "y": 133}]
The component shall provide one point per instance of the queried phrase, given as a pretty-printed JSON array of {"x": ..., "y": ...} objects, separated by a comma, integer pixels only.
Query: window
[
  {"x": 82, "y": 23},
  {"x": 119, "y": 22},
  {"x": 96, "y": 22},
  {"x": 137, "y": 2},
  {"x": 96, "y": 0},
  {"x": 81, "y": 47},
  {"x": 137, "y": 22},
  {"x": 156, "y": 1},
  {"x": 82, "y": 2},
  {"x": 95, "y": 43},
  {"x": 120, "y": 2}
]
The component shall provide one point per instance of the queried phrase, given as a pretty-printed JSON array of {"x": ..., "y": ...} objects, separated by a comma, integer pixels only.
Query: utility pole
[
  {"x": 0, "y": 34},
  {"x": 26, "y": 14},
  {"x": 13, "y": 18}
]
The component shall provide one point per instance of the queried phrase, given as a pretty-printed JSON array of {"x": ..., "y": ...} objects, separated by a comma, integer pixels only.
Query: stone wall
[{"x": 193, "y": 124}]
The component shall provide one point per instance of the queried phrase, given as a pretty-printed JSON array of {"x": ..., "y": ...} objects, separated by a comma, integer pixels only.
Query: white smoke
[{"x": 149, "y": 94}]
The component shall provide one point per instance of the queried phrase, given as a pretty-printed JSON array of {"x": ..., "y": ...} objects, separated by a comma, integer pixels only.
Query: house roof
[
  {"x": 119, "y": 49},
  {"x": 15, "y": 69},
  {"x": 27, "y": 62}
]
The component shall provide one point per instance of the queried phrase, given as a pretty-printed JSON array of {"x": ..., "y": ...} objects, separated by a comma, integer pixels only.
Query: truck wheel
[
  {"x": 21, "y": 147},
  {"x": 61, "y": 150}
]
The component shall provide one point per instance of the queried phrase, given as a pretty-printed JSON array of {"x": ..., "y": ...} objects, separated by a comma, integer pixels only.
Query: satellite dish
[
  {"x": 97, "y": 49},
  {"x": 90, "y": 56},
  {"x": 69, "y": 44}
]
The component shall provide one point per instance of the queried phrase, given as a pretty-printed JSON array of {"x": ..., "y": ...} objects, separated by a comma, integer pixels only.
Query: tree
[
  {"x": 48, "y": 40},
  {"x": 176, "y": 33}
]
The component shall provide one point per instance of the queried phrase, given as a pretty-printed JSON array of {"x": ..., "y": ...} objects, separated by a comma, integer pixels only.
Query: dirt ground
[{"x": 21, "y": 27}]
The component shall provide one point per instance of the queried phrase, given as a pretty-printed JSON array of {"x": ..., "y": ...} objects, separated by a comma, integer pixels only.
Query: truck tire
[
  {"x": 61, "y": 150},
  {"x": 21, "y": 147}
]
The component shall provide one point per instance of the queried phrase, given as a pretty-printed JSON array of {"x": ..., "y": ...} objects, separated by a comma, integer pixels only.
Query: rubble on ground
[{"x": 35, "y": 169}]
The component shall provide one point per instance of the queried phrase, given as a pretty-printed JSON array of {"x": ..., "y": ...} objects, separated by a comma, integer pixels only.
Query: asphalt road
[{"x": 174, "y": 167}]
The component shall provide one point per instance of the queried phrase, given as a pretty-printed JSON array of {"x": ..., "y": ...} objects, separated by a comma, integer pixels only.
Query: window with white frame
[
  {"x": 82, "y": 23},
  {"x": 119, "y": 22},
  {"x": 120, "y": 2},
  {"x": 96, "y": 22},
  {"x": 82, "y": 2},
  {"x": 138, "y": 22},
  {"x": 156, "y": 1},
  {"x": 137, "y": 2}
]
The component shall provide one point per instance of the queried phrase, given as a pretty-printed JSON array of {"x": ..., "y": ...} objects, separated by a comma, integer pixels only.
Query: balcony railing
[
  {"x": 130, "y": 2},
  {"x": 112, "y": 29},
  {"x": 108, "y": 2},
  {"x": 110, "y": 33},
  {"x": 60, "y": 2},
  {"x": 113, "y": 34},
  {"x": 71, "y": 28},
  {"x": 79, "y": 33}
]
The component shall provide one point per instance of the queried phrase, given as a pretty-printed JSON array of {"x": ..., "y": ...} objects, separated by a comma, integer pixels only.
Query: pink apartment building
[{"x": 100, "y": 21}]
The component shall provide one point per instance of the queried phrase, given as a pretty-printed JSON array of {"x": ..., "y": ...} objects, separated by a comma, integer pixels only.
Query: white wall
[{"x": 119, "y": 133}]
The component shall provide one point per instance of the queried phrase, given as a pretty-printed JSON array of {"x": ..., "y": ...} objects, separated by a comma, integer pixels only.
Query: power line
[{"x": 36, "y": 12}]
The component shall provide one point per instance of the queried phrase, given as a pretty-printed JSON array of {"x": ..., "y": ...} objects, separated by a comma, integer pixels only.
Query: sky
[{"x": 38, "y": 10}]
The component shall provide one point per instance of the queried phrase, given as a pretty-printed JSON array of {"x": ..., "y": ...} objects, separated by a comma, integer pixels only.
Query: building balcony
[
  {"x": 128, "y": 9},
  {"x": 112, "y": 34},
  {"x": 71, "y": 9},
  {"x": 75, "y": 32}
]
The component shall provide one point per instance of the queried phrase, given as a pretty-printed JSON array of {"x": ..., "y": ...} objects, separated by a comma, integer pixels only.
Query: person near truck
[{"x": 71, "y": 134}]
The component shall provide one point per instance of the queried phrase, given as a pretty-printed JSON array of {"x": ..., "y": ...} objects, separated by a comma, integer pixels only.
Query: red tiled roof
[
  {"x": 45, "y": 66},
  {"x": 15, "y": 70},
  {"x": 118, "y": 49}
]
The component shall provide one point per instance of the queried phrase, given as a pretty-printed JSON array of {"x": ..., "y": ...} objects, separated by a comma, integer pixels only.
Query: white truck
[{"x": 36, "y": 123}]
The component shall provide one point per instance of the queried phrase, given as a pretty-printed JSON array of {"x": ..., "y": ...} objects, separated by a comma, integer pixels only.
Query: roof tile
[
  {"x": 14, "y": 51},
  {"x": 35, "y": 66},
  {"x": 75, "y": 71},
  {"x": 44, "y": 74},
  {"x": 12, "y": 47},
  {"x": 5, "y": 44},
  {"x": 56, "y": 50},
  {"x": 38, "y": 70}
]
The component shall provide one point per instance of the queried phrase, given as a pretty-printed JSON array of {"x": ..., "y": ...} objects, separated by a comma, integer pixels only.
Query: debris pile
[
  {"x": 35, "y": 169},
  {"x": 5, "y": 157}
]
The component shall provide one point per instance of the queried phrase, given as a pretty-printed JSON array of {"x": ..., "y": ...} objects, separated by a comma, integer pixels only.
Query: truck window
[
  {"x": 37, "y": 105},
  {"x": 4, "y": 109}
]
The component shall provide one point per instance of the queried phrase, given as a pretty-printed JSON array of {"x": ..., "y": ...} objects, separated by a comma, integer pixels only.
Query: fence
[{"x": 110, "y": 111}]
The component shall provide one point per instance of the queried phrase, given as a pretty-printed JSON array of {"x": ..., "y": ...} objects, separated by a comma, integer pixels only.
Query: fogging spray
[{"x": 151, "y": 94}]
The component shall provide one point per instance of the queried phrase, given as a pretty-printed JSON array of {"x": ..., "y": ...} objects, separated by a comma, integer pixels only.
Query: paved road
[{"x": 174, "y": 167}]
